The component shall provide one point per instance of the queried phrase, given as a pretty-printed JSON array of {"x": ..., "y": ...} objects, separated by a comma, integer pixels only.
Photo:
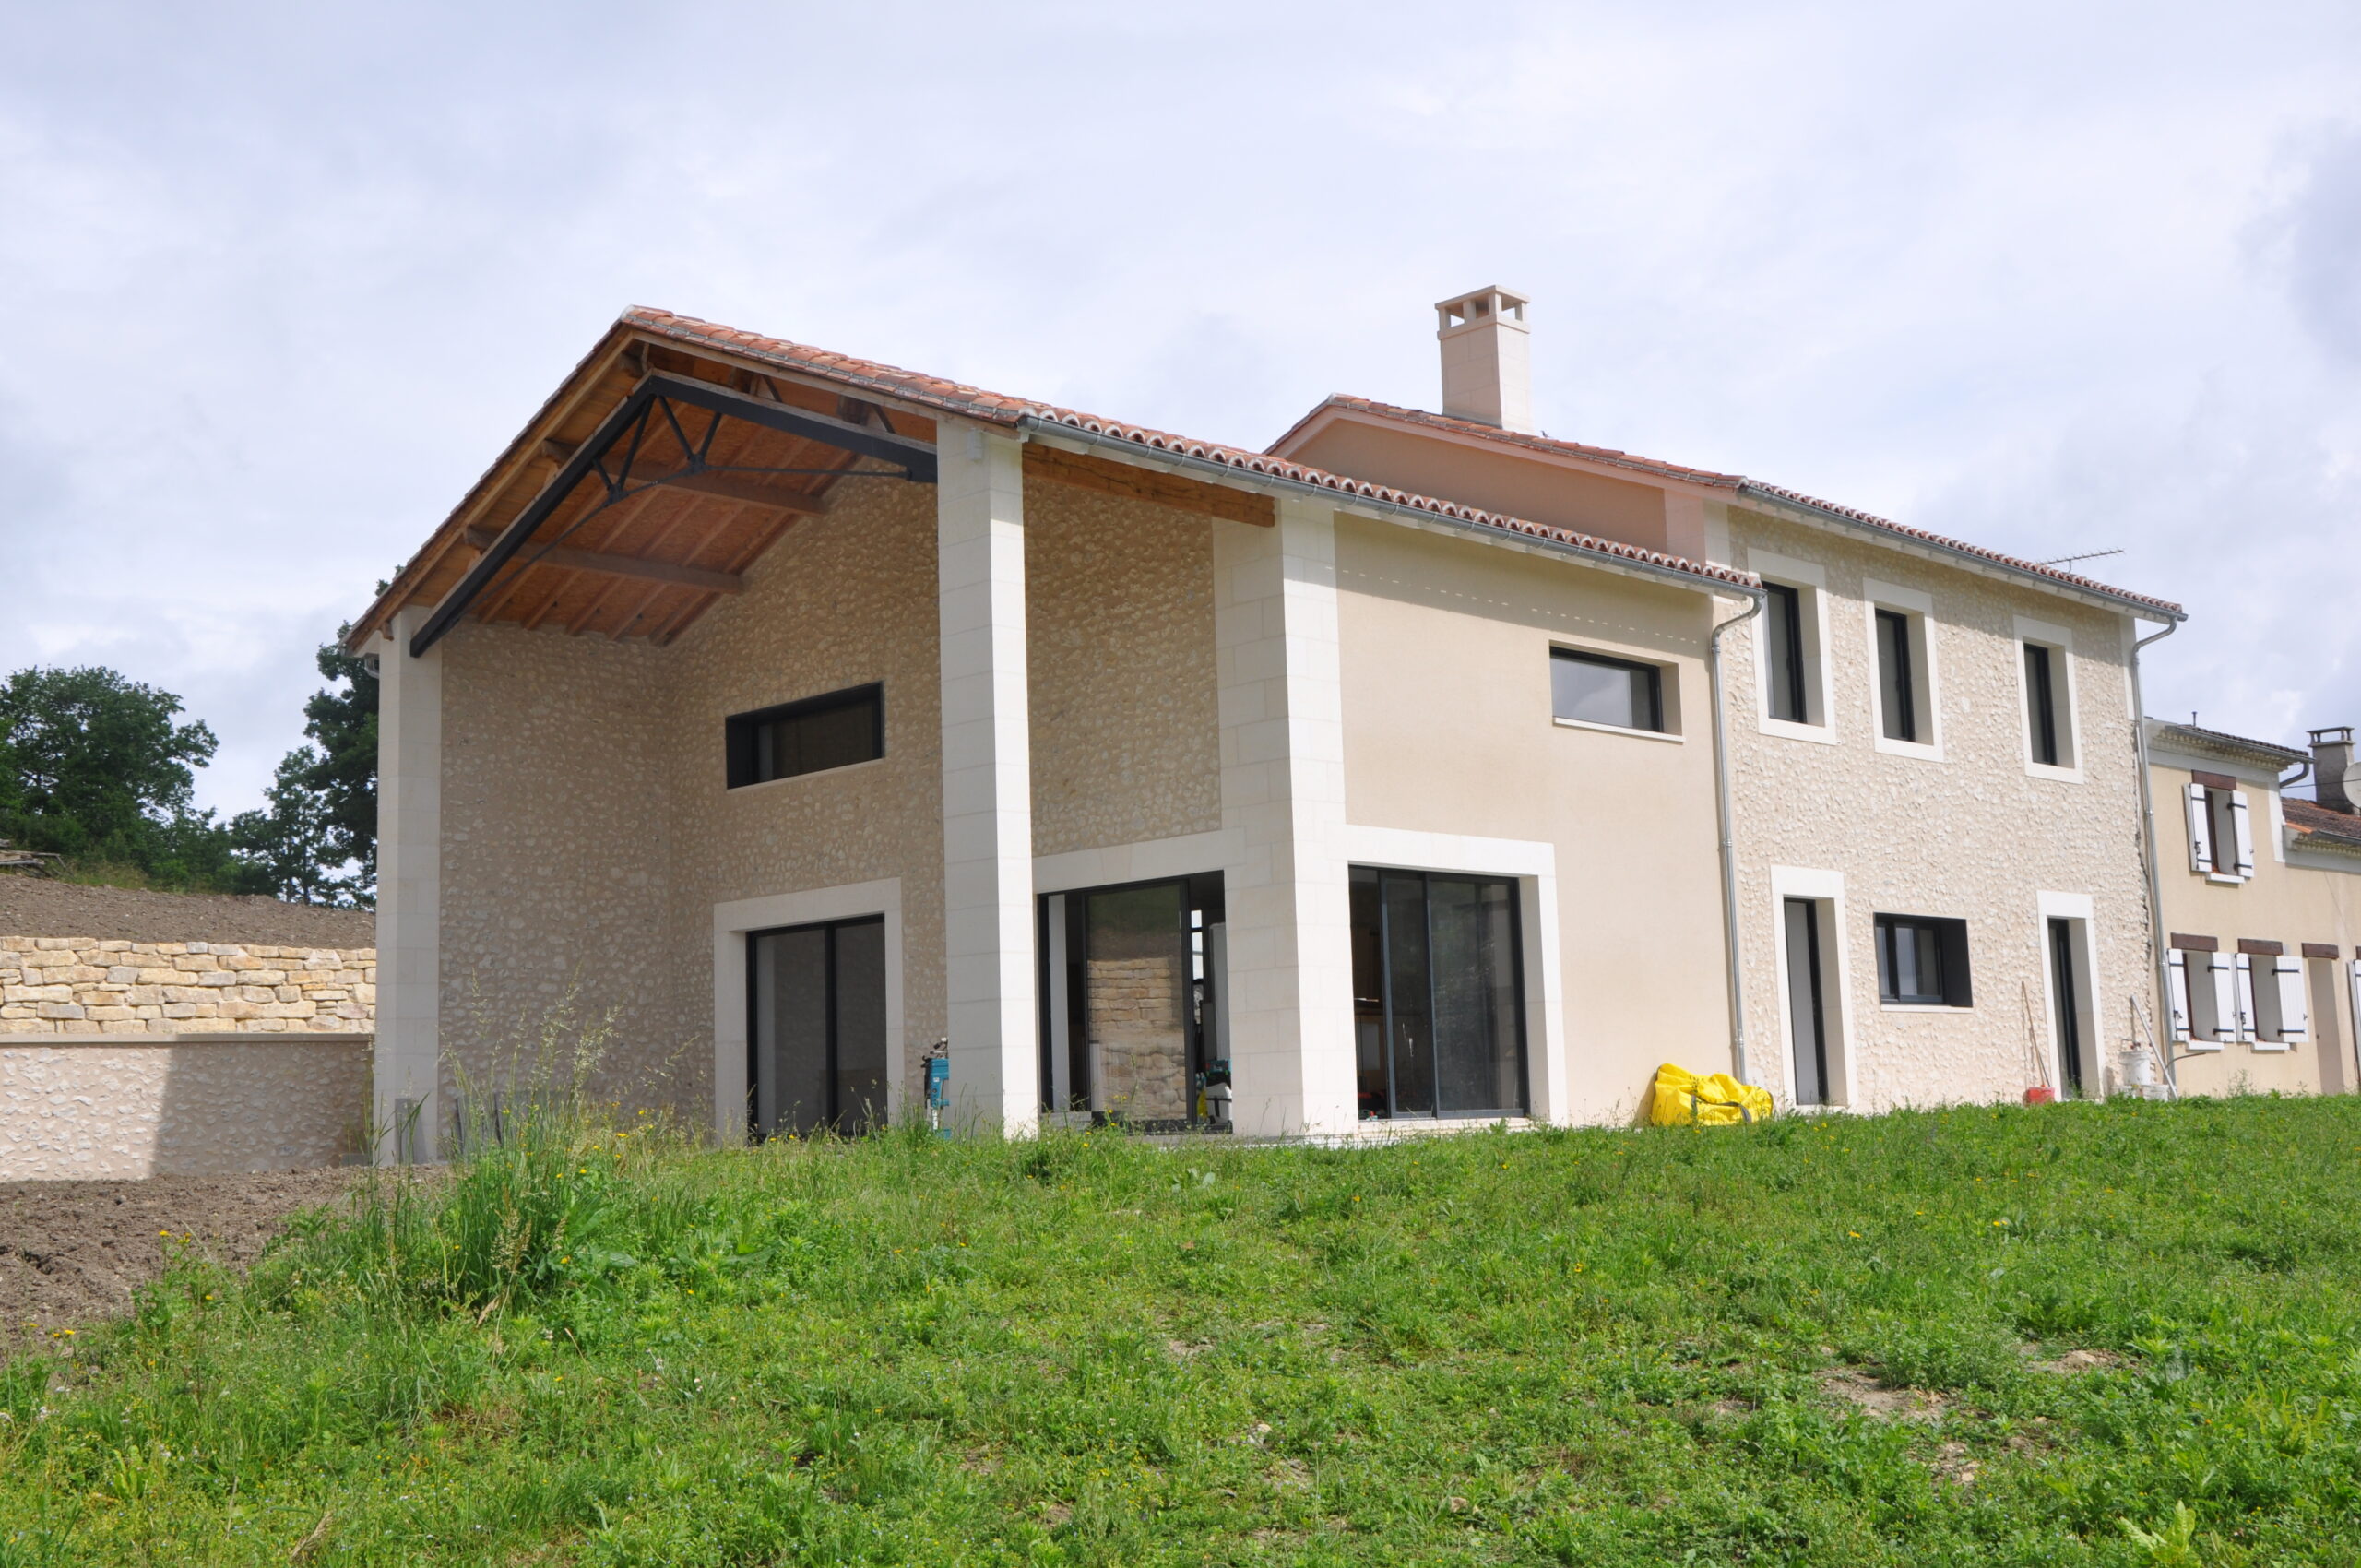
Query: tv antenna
[{"x": 2067, "y": 561}]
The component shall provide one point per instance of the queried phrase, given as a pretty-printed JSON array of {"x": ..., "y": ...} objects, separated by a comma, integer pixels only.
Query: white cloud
[{"x": 283, "y": 279}]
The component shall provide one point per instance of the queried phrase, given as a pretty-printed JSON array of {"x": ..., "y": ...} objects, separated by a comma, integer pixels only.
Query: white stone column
[
  {"x": 987, "y": 781},
  {"x": 409, "y": 887},
  {"x": 1283, "y": 791}
]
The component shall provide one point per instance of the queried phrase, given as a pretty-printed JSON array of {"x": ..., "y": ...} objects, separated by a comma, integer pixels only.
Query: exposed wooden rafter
[
  {"x": 1110, "y": 478},
  {"x": 569, "y": 560}
]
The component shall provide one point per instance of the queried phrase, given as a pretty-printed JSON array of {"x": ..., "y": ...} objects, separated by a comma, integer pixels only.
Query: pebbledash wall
[
  {"x": 132, "y": 1058},
  {"x": 1972, "y": 832},
  {"x": 593, "y": 863}
]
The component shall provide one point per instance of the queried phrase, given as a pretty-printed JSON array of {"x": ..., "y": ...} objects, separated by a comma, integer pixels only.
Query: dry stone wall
[{"x": 76, "y": 985}]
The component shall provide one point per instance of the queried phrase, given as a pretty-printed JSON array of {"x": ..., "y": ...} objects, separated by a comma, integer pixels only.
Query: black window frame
[
  {"x": 838, "y": 1117},
  {"x": 1385, "y": 1103},
  {"x": 1788, "y": 647},
  {"x": 742, "y": 732},
  {"x": 1897, "y": 677},
  {"x": 1654, "y": 686},
  {"x": 1955, "y": 985},
  {"x": 2041, "y": 704}
]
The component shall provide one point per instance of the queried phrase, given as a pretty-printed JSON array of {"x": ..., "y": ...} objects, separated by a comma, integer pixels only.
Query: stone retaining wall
[{"x": 76, "y": 985}]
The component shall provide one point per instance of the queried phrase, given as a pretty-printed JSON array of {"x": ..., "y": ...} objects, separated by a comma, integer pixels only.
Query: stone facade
[
  {"x": 70, "y": 985},
  {"x": 1973, "y": 833}
]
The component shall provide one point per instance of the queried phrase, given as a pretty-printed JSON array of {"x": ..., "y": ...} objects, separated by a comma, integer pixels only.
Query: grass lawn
[{"x": 1989, "y": 1335}]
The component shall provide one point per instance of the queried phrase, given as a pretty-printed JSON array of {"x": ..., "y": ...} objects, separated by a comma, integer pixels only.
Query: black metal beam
[{"x": 916, "y": 458}]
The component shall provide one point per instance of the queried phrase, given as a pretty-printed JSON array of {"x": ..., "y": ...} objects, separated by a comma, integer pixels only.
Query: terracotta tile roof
[
  {"x": 1737, "y": 483},
  {"x": 973, "y": 402},
  {"x": 2321, "y": 825}
]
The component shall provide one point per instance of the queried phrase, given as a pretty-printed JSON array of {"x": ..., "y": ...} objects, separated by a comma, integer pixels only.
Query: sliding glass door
[
  {"x": 1437, "y": 995},
  {"x": 816, "y": 1046},
  {"x": 1128, "y": 1020}
]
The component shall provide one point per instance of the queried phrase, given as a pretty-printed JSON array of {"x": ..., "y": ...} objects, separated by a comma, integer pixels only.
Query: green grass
[{"x": 1588, "y": 1348}]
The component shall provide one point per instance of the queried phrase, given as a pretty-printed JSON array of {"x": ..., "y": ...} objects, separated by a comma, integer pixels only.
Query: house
[
  {"x": 1935, "y": 774},
  {"x": 795, "y": 713},
  {"x": 2262, "y": 912}
]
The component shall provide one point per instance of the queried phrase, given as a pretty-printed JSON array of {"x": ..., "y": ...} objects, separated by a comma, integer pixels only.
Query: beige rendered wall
[
  {"x": 90, "y": 1106},
  {"x": 2291, "y": 900},
  {"x": 1448, "y": 729},
  {"x": 1970, "y": 836}
]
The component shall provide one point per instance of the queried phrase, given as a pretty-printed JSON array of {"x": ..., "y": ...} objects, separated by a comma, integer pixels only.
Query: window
[
  {"x": 1922, "y": 959},
  {"x": 2273, "y": 986},
  {"x": 1437, "y": 995},
  {"x": 1897, "y": 678},
  {"x": 811, "y": 736},
  {"x": 2221, "y": 837},
  {"x": 1785, "y": 676},
  {"x": 1590, "y": 688},
  {"x": 2041, "y": 705},
  {"x": 1131, "y": 1030},
  {"x": 815, "y": 1053},
  {"x": 2204, "y": 992}
]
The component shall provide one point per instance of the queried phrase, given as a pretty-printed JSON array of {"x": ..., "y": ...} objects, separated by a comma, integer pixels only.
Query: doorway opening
[
  {"x": 1437, "y": 995},
  {"x": 1133, "y": 1027},
  {"x": 816, "y": 1046},
  {"x": 1807, "y": 1000},
  {"x": 2066, "y": 1005}
]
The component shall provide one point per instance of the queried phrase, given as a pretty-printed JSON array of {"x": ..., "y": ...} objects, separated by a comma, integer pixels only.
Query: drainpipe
[
  {"x": 2162, "y": 971},
  {"x": 1729, "y": 845}
]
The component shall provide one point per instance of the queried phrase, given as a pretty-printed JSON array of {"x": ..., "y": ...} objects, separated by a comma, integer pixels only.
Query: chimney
[
  {"x": 1486, "y": 358},
  {"x": 2334, "y": 777}
]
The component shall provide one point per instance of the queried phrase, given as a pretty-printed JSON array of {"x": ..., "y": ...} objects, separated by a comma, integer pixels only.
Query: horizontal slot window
[
  {"x": 811, "y": 736},
  {"x": 1591, "y": 688}
]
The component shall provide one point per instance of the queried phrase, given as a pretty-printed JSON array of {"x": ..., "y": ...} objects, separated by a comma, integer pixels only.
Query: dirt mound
[
  {"x": 38, "y": 907},
  {"x": 72, "y": 1251}
]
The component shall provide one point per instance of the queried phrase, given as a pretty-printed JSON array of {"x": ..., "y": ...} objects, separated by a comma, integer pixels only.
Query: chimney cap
[
  {"x": 1487, "y": 306},
  {"x": 2334, "y": 734}
]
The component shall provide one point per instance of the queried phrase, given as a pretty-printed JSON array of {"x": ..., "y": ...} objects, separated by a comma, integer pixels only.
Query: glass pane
[
  {"x": 1894, "y": 676},
  {"x": 1135, "y": 992},
  {"x": 1803, "y": 1001},
  {"x": 2037, "y": 704},
  {"x": 1473, "y": 968},
  {"x": 1601, "y": 694},
  {"x": 861, "y": 1027},
  {"x": 1784, "y": 635},
  {"x": 1408, "y": 1000},
  {"x": 790, "y": 1030},
  {"x": 1368, "y": 994}
]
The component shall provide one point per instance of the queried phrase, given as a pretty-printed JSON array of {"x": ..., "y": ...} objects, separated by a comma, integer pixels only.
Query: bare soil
[
  {"x": 71, "y": 1252},
  {"x": 32, "y": 906}
]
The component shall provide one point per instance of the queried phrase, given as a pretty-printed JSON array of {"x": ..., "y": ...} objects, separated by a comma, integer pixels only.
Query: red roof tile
[
  {"x": 1735, "y": 482},
  {"x": 972, "y": 402},
  {"x": 2315, "y": 821}
]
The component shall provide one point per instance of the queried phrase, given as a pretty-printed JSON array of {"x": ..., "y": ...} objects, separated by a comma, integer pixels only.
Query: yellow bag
[{"x": 1681, "y": 1099}]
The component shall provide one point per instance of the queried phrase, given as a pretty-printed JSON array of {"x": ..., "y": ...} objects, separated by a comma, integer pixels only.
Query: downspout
[
  {"x": 1729, "y": 844},
  {"x": 2163, "y": 975}
]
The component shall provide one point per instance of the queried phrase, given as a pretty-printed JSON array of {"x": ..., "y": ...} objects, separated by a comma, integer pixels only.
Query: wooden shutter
[
  {"x": 2177, "y": 990},
  {"x": 2225, "y": 997},
  {"x": 2200, "y": 829},
  {"x": 2245, "y": 834},
  {"x": 2294, "y": 1016},
  {"x": 2244, "y": 975}
]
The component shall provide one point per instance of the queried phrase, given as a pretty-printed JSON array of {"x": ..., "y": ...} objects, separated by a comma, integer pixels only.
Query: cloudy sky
[{"x": 282, "y": 280}]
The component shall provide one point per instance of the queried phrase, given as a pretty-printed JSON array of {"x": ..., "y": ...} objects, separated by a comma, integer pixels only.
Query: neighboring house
[
  {"x": 1937, "y": 793},
  {"x": 2262, "y": 910},
  {"x": 793, "y": 712}
]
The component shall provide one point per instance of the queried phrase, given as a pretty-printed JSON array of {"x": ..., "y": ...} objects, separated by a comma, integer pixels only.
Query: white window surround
[
  {"x": 1819, "y": 684},
  {"x": 1618, "y": 730},
  {"x": 1827, "y": 889},
  {"x": 2060, "y": 640},
  {"x": 1920, "y": 607},
  {"x": 2078, "y": 908},
  {"x": 733, "y": 921},
  {"x": 1534, "y": 864}
]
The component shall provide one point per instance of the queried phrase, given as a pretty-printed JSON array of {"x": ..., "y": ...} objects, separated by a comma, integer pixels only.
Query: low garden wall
[{"x": 130, "y": 1058}]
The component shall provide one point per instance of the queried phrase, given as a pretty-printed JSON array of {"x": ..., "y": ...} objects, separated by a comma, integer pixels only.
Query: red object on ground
[{"x": 2040, "y": 1094}]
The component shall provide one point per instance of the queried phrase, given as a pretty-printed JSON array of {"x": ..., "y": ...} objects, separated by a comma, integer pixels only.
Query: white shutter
[
  {"x": 2244, "y": 973},
  {"x": 2177, "y": 990},
  {"x": 2226, "y": 998},
  {"x": 2246, "y": 834},
  {"x": 2200, "y": 829},
  {"x": 2294, "y": 1016}
]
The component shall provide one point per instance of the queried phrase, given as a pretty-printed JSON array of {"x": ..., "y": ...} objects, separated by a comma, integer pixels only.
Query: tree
[
  {"x": 95, "y": 767},
  {"x": 316, "y": 842}
]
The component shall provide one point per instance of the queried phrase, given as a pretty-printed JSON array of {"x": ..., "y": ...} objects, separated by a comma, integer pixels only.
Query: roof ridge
[{"x": 1738, "y": 482}]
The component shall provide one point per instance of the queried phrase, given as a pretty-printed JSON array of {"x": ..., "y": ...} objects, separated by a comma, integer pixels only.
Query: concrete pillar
[
  {"x": 409, "y": 893},
  {"x": 987, "y": 781},
  {"x": 1282, "y": 791}
]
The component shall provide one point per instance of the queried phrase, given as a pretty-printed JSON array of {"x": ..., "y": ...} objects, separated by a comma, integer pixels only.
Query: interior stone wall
[
  {"x": 1120, "y": 642},
  {"x": 1971, "y": 834}
]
